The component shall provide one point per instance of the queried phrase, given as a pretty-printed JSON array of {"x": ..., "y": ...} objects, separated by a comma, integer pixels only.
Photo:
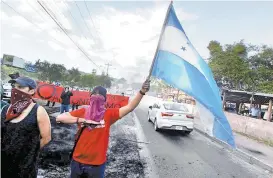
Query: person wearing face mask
[
  {"x": 94, "y": 122},
  {"x": 25, "y": 129}
]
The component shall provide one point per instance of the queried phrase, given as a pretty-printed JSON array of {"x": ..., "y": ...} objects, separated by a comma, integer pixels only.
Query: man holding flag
[{"x": 178, "y": 63}]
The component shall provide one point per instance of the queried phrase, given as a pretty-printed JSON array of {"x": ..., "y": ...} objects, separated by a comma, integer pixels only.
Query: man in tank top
[{"x": 25, "y": 129}]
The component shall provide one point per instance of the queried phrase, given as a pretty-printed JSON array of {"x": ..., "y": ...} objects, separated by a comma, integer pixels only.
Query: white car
[
  {"x": 171, "y": 116},
  {"x": 129, "y": 92},
  {"x": 7, "y": 90}
]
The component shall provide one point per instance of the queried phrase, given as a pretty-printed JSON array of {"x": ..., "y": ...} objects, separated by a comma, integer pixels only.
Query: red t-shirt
[{"x": 93, "y": 144}]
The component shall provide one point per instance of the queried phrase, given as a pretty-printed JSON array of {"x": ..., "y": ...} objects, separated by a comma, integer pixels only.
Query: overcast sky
[{"x": 122, "y": 33}]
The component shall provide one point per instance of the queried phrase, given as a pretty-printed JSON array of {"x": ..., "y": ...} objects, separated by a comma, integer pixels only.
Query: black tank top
[{"x": 20, "y": 145}]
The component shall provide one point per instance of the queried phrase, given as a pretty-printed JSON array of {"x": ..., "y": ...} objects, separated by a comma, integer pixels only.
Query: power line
[
  {"x": 28, "y": 20},
  {"x": 38, "y": 12},
  {"x": 22, "y": 15},
  {"x": 91, "y": 18},
  {"x": 95, "y": 26},
  {"x": 54, "y": 15},
  {"x": 41, "y": 15},
  {"x": 67, "y": 34},
  {"x": 84, "y": 20},
  {"x": 75, "y": 20},
  {"x": 59, "y": 12},
  {"x": 108, "y": 65}
]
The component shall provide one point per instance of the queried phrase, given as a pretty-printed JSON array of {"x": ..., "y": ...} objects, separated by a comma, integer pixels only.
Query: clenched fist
[{"x": 146, "y": 86}]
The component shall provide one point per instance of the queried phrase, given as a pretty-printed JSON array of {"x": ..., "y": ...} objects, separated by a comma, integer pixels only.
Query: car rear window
[{"x": 175, "y": 107}]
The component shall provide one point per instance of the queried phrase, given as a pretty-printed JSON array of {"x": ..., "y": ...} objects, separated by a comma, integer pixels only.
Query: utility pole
[{"x": 108, "y": 65}]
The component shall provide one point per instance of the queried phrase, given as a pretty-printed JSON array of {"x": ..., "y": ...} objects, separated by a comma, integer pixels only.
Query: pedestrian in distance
[
  {"x": 48, "y": 104},
  {"x": 66, "y": 95},
  {"x": 75, "y": 106},
  {"x": 53, "y": 103},
  {"x": 94, "y": 122},
  {"x": 25, "y": 129},
  {"x": 3, "y": 103}
]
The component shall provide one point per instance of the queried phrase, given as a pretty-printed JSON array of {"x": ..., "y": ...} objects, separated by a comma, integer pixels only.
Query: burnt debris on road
[{"x": 123, "y": 155}]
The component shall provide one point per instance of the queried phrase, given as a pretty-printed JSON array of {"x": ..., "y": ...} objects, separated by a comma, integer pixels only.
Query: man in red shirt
[{"x": 94, "y": 122}]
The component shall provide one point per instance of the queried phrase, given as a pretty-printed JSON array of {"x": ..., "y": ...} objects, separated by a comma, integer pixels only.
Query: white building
[{"x": 13, "y": 61}]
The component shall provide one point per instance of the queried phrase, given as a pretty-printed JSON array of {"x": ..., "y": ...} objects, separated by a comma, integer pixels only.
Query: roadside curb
[
  {"x": 239, "y": 153},
  {"x": 151, "y": 170}
]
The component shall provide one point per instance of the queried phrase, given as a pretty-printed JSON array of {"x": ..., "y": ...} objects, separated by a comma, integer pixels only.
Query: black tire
[
  {"x": 155, "y": 126},
  {"x": 149, "y": 120},
  {"x": 187, "y": 132}
]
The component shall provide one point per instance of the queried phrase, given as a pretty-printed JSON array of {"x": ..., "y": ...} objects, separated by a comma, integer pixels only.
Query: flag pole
[{"x": 160, "y": 37}]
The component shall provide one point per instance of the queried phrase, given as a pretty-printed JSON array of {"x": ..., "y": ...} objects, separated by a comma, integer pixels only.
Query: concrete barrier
[{"x": 254, "y": 127}]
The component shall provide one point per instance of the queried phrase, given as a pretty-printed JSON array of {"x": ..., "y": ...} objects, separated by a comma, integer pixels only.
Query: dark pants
[
  {"x": 64, "y": 108},
  {"x": 48, "y": 103},
  {"x": 79, "y": 170},
  {"x": 74, "y": 106}
]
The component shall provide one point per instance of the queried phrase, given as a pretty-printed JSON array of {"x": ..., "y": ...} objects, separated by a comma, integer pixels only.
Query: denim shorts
[{"x": 79, "y": 170}]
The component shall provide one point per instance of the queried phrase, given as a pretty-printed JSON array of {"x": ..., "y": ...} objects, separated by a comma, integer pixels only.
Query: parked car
[
  {"x": 129, "y": 92},
  {"x": 7, "y": 91},
  {"x": 159, "y": 95},
  {"x": 171, "y": 116}
]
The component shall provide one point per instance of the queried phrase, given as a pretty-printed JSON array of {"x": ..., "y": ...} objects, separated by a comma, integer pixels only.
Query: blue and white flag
[{"x": 178, "y": 63}]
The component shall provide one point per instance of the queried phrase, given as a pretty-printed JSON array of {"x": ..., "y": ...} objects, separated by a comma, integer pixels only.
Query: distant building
[{"x": 13, "y": 61}]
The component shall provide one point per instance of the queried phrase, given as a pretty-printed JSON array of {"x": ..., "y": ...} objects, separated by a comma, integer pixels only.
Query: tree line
[
  {"x": 52, "y": 72},
  {"x": 242, "y": 66}
]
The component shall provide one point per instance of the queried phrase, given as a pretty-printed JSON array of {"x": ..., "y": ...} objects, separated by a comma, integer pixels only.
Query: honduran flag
[{"x": 178, "y": 63}]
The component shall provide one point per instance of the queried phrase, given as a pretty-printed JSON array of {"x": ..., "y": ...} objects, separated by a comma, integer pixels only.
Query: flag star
[{"x": 183, "y": 48}]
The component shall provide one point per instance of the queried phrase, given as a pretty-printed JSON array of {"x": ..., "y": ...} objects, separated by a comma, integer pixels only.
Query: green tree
[
  {"x": 215, "y": 48},
  {"x": 73, "y": 76},
  {"x": 103, "y": 80},
  {"x": 50, "y": 72},
  {"x": 6, "y": 70},
  {"x": 233, "y": 65},
  {"x": 43, "y": 68},
  {"x": 228, "y": 65},
  {"x": 87, "y": 80},
  {"x": 261, "y": 65},
  {"x": 94, "y": 71},
  {"x": 56, "y": 72}
]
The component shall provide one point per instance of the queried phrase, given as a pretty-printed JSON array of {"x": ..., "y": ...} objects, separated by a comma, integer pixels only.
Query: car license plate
[{"x": 178, "y": 127}]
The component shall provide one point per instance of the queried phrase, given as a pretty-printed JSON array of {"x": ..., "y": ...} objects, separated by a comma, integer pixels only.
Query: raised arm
[
  {"x": 67, "y": 118},
  {"x": 123, "y": 111}
]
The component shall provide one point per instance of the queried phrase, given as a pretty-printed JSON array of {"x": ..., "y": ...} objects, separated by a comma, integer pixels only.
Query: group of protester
[{"x": 26, "y": 129}]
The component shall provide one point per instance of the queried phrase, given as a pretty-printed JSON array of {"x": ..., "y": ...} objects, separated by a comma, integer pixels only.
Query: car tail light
[
  {"x": 190, "y": 116},
  {"x": 166, "y": 114}
]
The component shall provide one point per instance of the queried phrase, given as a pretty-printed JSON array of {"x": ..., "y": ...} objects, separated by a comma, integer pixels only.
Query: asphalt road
[{"x": 176, "y": 155}]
